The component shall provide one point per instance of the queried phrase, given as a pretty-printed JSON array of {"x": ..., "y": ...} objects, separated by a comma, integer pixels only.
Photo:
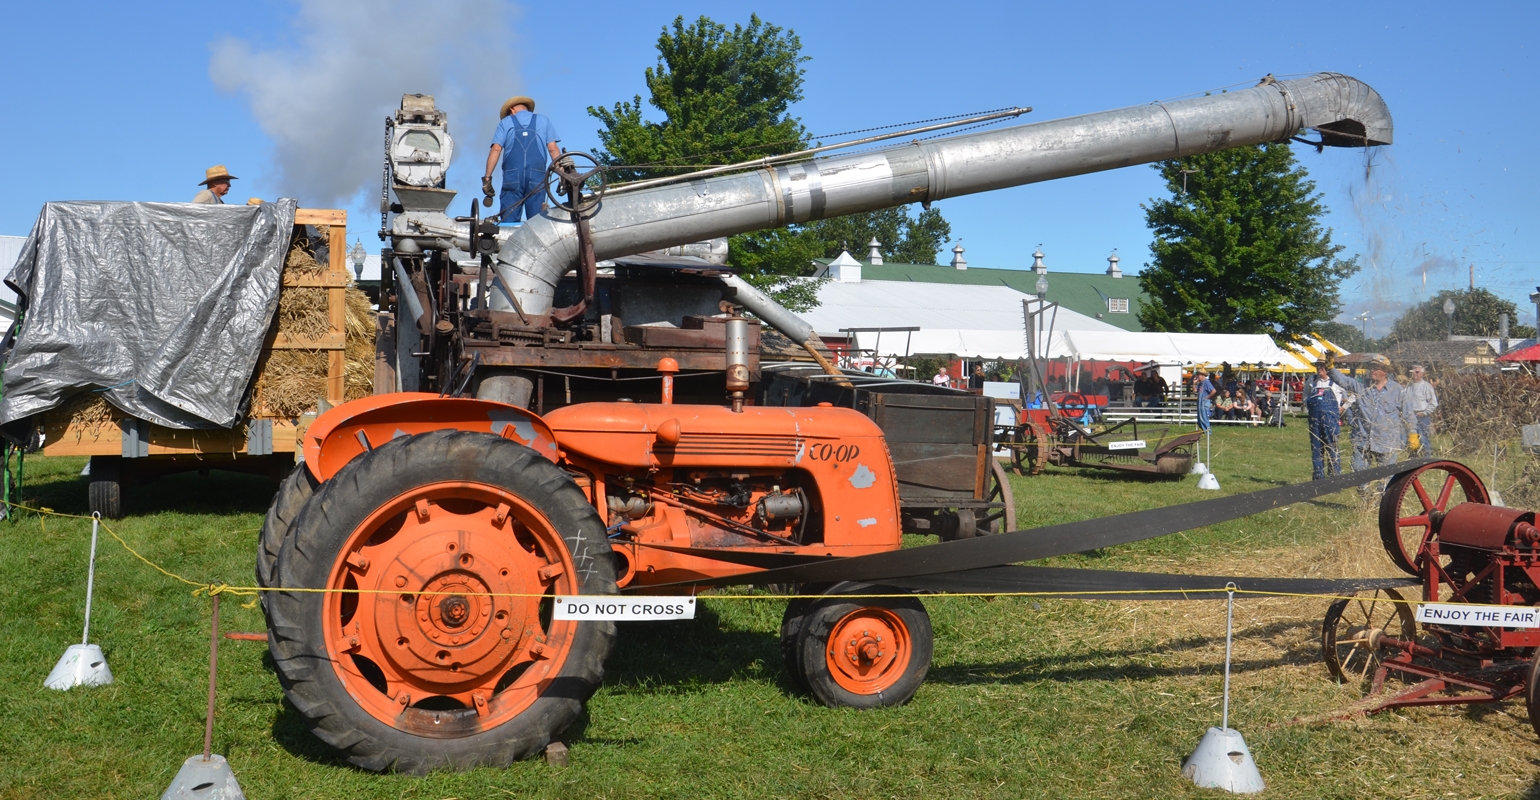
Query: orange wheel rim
[
  {"x": 445, "y": 635},
  {"x": 868, "y": 650}
]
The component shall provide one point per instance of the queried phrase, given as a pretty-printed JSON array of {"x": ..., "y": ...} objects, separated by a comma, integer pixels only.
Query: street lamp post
[
  {"x": 1363, "y": 320},
  {"x": 357, "y": 256},
  {"x": 1042, "y": 286},
  {"x": 1449, "y": 312}
]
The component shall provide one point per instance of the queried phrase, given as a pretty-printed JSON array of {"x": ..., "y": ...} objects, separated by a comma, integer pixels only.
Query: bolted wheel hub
[
  {"x": 454, "y": 611},
  {"x": 868, "y": 650},
  {"x": 459, "y": 623}
]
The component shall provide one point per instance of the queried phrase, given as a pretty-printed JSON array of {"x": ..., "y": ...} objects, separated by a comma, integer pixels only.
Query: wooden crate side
[
  {"x": 67, "y": 439},
  {"x": 320, "y": 216},
  {"x": 337, "y": 309}
]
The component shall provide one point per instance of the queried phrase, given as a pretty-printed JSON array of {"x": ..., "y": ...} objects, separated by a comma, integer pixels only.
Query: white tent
[{"x": 927, "y": 306}]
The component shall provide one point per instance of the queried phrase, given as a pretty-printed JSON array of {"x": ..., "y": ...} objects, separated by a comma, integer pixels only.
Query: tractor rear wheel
[
  {"x": 865, "y": 652},
  {"x": 293, "y": 493},
  {"x": 435, "y": 647}
]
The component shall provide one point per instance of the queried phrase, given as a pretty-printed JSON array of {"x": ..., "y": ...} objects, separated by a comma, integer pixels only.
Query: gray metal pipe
[{"x": 1344, "y": 111}]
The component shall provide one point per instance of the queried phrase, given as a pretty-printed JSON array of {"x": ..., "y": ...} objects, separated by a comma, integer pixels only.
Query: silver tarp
[{"x": 162, "y": 307}]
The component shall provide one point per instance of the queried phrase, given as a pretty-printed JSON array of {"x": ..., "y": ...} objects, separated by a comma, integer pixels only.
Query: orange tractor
[
  {"x": 450, "y": 526},
  {"x": 444, "y": 529}
]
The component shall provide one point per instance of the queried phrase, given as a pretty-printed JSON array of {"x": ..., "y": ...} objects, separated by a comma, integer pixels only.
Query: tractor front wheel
[
  {"x": 433, "y": 646},
  {"x": 865, "y": 652}
]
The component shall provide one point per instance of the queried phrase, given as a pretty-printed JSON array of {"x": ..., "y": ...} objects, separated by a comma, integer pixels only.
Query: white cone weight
[
  {"x": 1208, "y": 481},
  {"x": 204, "y": 780},
  {"x": 81, "y": 665},
  {"x": 1223, "y": 762}
]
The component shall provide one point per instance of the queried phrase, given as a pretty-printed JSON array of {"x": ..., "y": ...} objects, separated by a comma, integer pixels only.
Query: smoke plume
[{"x": 323, "y": 98}]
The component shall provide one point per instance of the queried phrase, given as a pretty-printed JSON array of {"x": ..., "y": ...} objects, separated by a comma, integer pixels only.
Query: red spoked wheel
[
  {"x": 435, "y": 647},
  {"x": 1412, "y": 498}
]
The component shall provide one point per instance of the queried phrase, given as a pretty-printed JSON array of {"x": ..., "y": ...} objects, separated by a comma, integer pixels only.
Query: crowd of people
[{"x": 1226, "y": 397}]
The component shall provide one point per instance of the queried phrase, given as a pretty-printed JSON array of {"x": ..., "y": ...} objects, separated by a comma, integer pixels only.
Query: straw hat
[
  {"x": 515, "y": 101},
  {"x": 214, "y": 174}
]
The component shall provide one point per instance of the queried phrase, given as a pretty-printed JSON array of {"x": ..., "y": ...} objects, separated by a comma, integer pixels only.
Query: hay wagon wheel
[
  {"x": 436, "y": 648},
  {"x": 998, "y": 520},
  {"x": 1412, "y": 498},
  {"x": 1353, "y": 629}
]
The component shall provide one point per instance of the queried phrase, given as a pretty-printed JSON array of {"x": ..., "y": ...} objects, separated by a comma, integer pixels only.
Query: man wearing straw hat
[
  {"x": 1386, "y": 412},
  {"x": 216, "y": 179},
  {"x": 523, "y": 141}
]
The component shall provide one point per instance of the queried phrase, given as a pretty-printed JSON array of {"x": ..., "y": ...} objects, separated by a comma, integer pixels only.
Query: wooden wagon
[{"x": 125, "y": 450}]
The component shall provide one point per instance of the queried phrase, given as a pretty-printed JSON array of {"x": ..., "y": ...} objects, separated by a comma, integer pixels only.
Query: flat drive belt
[
  {"x": 1046, "y": 542},
  {"x": 1102, "y": 584}
]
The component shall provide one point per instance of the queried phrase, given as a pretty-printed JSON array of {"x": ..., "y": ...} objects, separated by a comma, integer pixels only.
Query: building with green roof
[{"x": 1110, "y": 296}]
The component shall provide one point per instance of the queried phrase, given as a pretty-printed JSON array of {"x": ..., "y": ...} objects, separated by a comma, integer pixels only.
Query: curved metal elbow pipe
[{"x": 1345, "y": 111}]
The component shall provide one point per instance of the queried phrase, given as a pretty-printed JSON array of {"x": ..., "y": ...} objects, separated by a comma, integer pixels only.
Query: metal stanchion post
[
  {"x": 83, "y": 664},
  {"x": 1222, "y": 760},
  {"x": 207, "y": 774}
]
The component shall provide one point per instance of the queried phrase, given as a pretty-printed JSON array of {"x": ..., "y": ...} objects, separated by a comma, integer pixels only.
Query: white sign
[
  {"x": 1002, "y": 389},
  {"x": 609, "y": 607},
  {"x": 1486, "y": 616},
  {"x": 1132, "y": 444}
]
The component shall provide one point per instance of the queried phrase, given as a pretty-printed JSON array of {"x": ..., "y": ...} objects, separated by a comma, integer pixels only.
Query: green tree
[
  {"x": 725, "y": 96},
  {"x": 1476, "y": 313},
  {"x": 1239, "y": 247}
]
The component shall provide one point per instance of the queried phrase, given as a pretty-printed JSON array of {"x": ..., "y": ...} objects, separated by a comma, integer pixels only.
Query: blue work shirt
[
  {"x": 543, "y": 128},
  {"x": 1387, "y": 412}
]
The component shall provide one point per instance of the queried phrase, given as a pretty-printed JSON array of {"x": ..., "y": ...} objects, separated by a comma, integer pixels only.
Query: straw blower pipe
[{"x": 1344, "y": 111}]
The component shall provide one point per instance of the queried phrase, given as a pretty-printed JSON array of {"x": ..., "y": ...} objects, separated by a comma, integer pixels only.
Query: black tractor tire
[
  {"x": 293, "y": 493},
  {"x": 837, "y": 616},
  {"x": 310, "y": 677},
  {"x": 791, "y": 637},
  {"x": 104, "y": 495}
]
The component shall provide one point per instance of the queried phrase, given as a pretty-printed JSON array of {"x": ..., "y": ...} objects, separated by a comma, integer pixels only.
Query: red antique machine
[{"x": 1479, "y": 565}]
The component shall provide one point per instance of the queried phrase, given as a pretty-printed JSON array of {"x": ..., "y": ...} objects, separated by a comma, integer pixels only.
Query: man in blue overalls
[
  {"x": 1323, "y": 402},
  {"x": 525, "y": 142}
]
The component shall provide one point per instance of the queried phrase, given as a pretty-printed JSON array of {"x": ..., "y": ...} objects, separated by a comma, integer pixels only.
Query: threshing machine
[{"x": 445, "y": 526}]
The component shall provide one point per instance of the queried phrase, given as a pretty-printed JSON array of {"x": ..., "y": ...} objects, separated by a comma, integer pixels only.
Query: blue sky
[{"x": 133, "y": 101}]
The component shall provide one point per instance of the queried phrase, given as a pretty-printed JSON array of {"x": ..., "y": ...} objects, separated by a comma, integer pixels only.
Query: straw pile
[
  {"x": 88, "y": 412},
  {"x": 288, "y": 382}
]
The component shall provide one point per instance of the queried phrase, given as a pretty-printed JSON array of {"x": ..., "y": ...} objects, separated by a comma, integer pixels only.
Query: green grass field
[{"x": 1026, "y": 697}]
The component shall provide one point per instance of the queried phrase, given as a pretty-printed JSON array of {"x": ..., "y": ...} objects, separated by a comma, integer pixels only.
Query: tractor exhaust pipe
[{"x": 1344, "y": 111}]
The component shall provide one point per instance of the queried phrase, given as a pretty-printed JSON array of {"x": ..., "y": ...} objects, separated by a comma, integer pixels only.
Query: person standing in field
[
  {"x": 1204, "y": 389},
  {"x": 1323, "y": 403},
  {"x": 1424, "y": 402},
  {"x": 1386, "y": 413}
]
